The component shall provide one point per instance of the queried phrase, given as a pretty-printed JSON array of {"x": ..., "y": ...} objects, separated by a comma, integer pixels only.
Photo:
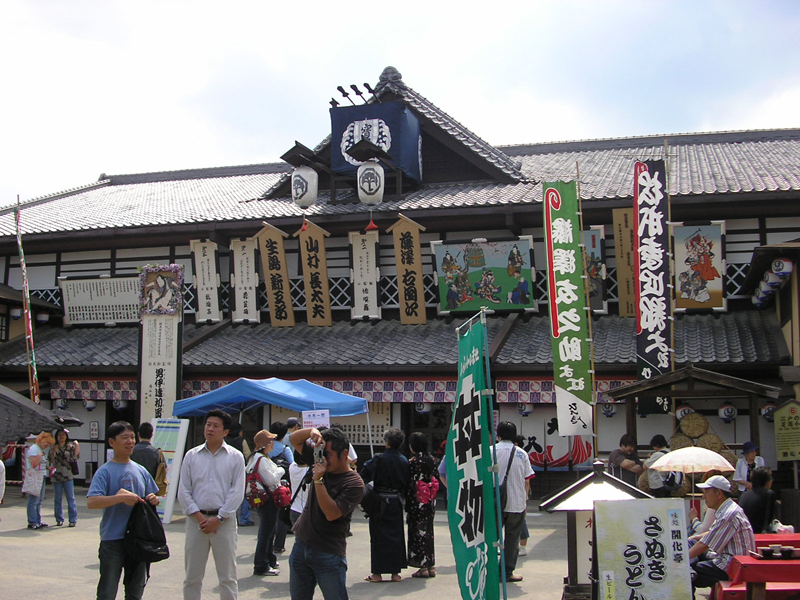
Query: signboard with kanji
[
  {"x": 276, "y": 275},
  {"x": 787, "y": 430}
]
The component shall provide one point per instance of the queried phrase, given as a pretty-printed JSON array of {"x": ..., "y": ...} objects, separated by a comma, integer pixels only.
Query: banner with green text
[
  {"x": 572, "y": 361},
  {"x": 471, "y": 505}
]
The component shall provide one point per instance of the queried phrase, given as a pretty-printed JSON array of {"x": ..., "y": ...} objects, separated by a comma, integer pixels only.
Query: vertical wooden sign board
[
  {"x": 276, "y": 275},
  {"x": 365, "y": 275},
  {"x": 205, "y": 261},
  {"x": 245, "y": 281},
  {"x": 408, "y": 258},
  {"x": 623, "y": 240},
  {"x": 315, "y": 274}
]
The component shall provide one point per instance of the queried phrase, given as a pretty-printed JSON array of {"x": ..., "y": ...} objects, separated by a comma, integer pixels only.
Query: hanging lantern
[
  {"x": 423, "y": 408},
  {"x": 371, "y": 183},
  {"x": 63, "y": 403},
  {"x": 42, "y": 317},
  {"x": 682, "y": 411},
  {"x": 89, "y": 405},
  {"x": 765, "y": 288},
  {"x": 305, "y": 186},
  {"x": 524, "y": 408},
  {"x": 768, "y": 412},
  {"x": 759, "y": 301},
  {"x": 727, "y": 412},
  {"x": 608, "y": 409},
  {"x": 16, "y": 313},
  {"x": 782, "y": 267},
  {"x": 772, "y": 279},
  {"x": 119, "y": 404}
]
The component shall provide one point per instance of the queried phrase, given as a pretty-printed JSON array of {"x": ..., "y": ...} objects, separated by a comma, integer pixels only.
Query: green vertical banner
[
  {"x": 572, "y": 360},
  {"x": 471, "y": 508}
]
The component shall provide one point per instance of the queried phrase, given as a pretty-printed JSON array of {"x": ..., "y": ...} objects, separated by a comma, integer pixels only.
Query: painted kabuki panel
[
  {"x": 699, "y": 265},
  {"x": 498, "y": 275}
]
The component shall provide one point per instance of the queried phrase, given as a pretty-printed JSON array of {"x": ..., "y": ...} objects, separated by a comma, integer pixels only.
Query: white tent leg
[{"x": 369, "y": 431}]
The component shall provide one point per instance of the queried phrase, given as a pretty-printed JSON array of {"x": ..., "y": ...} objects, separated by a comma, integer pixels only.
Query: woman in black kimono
[
  {"x": 389, "y": 472},
  {"x": 421, "y": 503}
]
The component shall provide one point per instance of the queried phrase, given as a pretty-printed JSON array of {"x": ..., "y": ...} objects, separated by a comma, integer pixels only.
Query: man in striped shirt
[{"x": 730, "y": 535}]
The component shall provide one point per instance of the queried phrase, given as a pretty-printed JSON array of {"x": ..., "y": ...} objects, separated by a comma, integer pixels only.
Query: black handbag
[{"x": 371, "y": 500}]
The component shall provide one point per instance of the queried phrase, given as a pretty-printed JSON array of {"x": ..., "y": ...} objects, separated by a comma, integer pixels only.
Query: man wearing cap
[
  {"x": 746, "y": 465},
  {"x": 730, "y": 535},
  {"x": 292, "y": 425},
  {"x": 211, "y": 489}
]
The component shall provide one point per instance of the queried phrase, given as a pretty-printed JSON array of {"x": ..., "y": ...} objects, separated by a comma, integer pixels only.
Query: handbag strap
[
  {"x": 303, "y": 483},
  {"x": 508, "y": 466}
]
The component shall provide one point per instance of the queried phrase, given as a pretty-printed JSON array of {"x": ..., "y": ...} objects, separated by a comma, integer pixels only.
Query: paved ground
[{"x": 62, "y": 562}]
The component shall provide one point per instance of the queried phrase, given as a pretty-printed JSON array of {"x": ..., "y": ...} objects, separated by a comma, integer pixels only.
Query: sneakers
[
  {"x": 72, "y": 523},
  {"x": 36, "y": 525},
  {"x": 523, "y": 551},
  {"x": 59, "y": 523},
  {"x": 246, "y": 524},
  {"x": 269, "y": 572}
]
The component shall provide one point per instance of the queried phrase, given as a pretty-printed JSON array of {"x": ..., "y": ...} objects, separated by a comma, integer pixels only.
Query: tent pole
[{"x": 369, "y": 434}]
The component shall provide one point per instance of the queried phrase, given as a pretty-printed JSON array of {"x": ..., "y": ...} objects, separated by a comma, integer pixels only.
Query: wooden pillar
[
  {"x": 755, "y": 422},
  {"x": 630, "y": 416}
]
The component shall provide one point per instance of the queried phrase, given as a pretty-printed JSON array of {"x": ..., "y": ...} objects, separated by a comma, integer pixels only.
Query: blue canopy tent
[{"x": 244, "y": 394}]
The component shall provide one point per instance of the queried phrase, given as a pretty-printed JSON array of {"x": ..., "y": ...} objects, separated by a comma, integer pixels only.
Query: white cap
[{"x": 717, "y": 481}]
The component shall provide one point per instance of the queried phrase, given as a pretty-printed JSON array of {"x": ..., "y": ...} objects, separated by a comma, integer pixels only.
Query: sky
[{"x": 92, "y": 87}]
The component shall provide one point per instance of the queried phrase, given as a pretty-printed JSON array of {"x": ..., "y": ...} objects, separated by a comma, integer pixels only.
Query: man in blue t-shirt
[{"x": 117, "y": 487}]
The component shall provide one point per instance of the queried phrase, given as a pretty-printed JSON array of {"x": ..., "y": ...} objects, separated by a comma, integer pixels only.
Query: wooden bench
[{"x": 725, "y": 590}]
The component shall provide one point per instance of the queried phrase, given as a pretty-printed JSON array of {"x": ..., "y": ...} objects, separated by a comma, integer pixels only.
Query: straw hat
[{"x": 263, "y": 438}]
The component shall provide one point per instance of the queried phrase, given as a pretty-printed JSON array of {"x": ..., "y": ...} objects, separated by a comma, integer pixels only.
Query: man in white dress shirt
[
  {"x": 517, "y": 486},
  {"x": 211, "y": 489}
]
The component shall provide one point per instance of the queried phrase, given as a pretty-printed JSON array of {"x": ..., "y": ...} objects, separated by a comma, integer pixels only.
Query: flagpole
[
  {"x": 589, "y": 322},
  {"x": 670, "y": 284},
  {"x": 33, "y": 378}
]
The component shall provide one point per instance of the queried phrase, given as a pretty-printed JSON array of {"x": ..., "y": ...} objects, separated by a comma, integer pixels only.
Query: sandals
[
  {"x": 422, "y": 574},
  {"x": 372, "y": 580},
  {"x": 394, "y": 579}
]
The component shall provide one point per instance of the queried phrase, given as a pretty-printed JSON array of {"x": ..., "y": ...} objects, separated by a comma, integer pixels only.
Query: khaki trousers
[{"x": 223, "y": 545}]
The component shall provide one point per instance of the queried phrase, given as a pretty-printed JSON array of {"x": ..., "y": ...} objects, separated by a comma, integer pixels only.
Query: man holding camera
[{"x": 320, "y": 548}]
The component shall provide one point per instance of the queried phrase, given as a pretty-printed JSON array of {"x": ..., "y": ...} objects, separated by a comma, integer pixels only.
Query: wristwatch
[
  {"x": 221, "y": 519},
  {"x": 319, "y": 481}
]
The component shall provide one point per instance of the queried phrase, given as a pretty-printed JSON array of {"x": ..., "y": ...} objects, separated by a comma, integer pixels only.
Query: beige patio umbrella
[{"x": 692, "y": 460}]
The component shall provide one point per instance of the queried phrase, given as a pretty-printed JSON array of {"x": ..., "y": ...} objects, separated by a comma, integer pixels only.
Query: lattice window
[
  {"x": 612, "y": 286},
  {"x": 52, "y": 295},
  {"x": 189, "y": 295},
  {"x": 736, "y": 273},
  {"x": 3, "y": 328}
]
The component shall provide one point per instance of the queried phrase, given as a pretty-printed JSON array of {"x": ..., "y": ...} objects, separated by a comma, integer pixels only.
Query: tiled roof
[
  {"x": 751, "y": 337},
  {"x": 747, "y": 337}
]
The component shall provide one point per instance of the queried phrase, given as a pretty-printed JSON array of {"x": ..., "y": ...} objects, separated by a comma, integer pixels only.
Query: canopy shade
[
  {"x": 20, "y": 417},
  {"x": 244, "y": 394}
]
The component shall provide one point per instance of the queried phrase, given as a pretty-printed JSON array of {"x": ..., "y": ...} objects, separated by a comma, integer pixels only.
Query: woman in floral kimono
[{"x": 421, "y": 503}]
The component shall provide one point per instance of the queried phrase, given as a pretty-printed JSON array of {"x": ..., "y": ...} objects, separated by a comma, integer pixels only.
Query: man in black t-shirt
[
  {"x": 144, "y": 453},
  {"x": 320, "y": 547},
  {"x": 758, "y": 503}
]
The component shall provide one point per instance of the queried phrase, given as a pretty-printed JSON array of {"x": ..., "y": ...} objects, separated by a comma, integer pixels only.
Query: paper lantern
[
  {"x": 524, "y": 408},
  {"x": 305, "y": 186},
  {"x": 782, "y": 267},
  {"x": 423, "y": 408},
  {"x": 765, "y": 288},
  {"x": 89, "y": 405},
  {"x": 608, "y": 409},
  {"x": 759, "y": 301},
  {"x": 727, "y": 412},
  {"x": 62, "y": 403},
  {"x": 371, "y": 183},
  {"x": 682, "y": 411},
  {"x": 768, "y": 412},
  {"x": 119, "y": 404},
  {"x": 16, "y": 313},
  {"x": 42, "y": 317},
  {"x": 772, "y": 279}
]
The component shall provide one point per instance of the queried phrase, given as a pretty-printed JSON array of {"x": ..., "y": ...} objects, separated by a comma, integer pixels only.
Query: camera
[{"x": 319, "y": 453}]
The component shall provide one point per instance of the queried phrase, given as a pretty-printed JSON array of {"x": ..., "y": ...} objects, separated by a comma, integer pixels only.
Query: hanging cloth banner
[
  {"x": 245, "y": 281},
  {"x": 408, "y": 259},
  {"x": 33, "y": 375},
  {"x": 314, "y": 263},
  {"x": 471, "y": 506},
  {"x": 572, "y": 359},
  {"x": 624, "y": 242},
  {"x": 651, "y": 272},
  {"x": 276, "y": 275},
  {"x": 365, "y": 275},
  {"x": 205, "y": 262}
]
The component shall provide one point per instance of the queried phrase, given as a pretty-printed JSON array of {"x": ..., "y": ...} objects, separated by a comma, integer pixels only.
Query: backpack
[
  {"x": 161, "y": 474},
  {"x": 673, "y": 481},
  {"x": 255, "y": 491},
  {"x": 145, "y": 540}
]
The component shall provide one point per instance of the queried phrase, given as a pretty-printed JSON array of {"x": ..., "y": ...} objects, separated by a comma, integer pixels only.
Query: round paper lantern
[
  {"x": 727, "y": 412},
  {"x": 765, "y": 288},
  {"x": 119, "y": 404},
  {"x": 89, "y": 405},
  {"x": 305, "y": 186},
  {"x": 682, "y": 411},
  {"x": 782, "y": 267},
  {"x": 768, "y": 412},
  {"x": 371, "y": 183},
  {"x": 524, "y": 408},
  {"x": 63, "y": 403},
  {"x": 772, "y": 279},
  {"x": 423, "y": 408},
  {"x": 759, "y": 301},
  {"x": 608, "y": 409}
]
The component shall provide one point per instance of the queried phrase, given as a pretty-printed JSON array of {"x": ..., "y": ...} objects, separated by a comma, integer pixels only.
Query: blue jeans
[
  {"x": 264, "y": 556},
  {"x": 35, "y": 507},
  {"x": 309, "y": 567},
  {"x": 113, "y": 559},
  {"x": 68, "y": 488},
  {"x": 244, "y": 517}
]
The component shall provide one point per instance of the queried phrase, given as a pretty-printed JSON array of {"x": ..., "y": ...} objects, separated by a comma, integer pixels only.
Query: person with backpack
[
  {"x": 236, "y": 439},
  {"x": 265, "y": 475},
  {"x": 661, "y": 483},
  {"x": 115, "y": 489},
  {"x": 283, "y": 456}
]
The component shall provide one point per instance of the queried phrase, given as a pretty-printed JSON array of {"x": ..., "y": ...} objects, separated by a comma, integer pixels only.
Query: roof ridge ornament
[{"x": 391, "y": 78}]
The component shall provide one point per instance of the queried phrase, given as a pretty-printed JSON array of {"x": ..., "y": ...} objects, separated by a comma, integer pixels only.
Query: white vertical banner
[
  {"x": 160, "y": 355},
  {"x": 206, "y": 280},
  {"x": 365, "y": 275},
  {"x": 169, "y": 436},
  {"x": 245, "y": 281}
]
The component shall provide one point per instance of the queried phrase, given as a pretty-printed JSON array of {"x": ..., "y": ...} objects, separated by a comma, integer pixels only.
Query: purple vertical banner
[{"x": 653, "y": 294}]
